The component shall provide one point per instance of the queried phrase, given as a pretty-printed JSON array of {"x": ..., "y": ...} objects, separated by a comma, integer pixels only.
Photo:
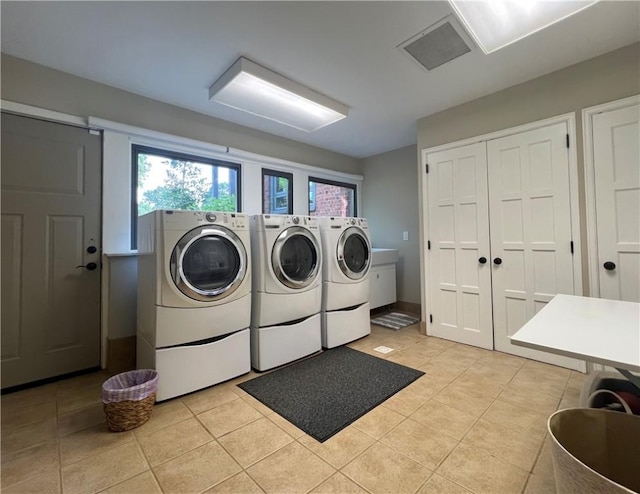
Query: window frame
[
  {"x": 345, "y": 185},
  {"x": 137, "y": 149},
  {"x": 278, "y": 174}
]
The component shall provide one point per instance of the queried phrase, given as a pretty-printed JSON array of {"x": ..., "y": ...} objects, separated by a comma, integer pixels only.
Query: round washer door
[
  {"x": 295, "y": 257},
  {"x": 208, "y": 263},
  {"x": 354, "y": 253}
]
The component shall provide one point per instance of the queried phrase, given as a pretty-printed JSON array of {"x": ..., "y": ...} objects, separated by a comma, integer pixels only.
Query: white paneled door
[
  {"x": 459, "y": 268},
  {"x": 51, "y": 193},
  {"x": 531, "y": 240},
  {"x": 616, "y": 160},
  {"x": 499, "y": 237}
]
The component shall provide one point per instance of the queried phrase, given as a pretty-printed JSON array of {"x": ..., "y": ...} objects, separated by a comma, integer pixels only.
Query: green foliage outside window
[
  {"x": 283, "y": 184},
  {"x": 184, "y": 188}
]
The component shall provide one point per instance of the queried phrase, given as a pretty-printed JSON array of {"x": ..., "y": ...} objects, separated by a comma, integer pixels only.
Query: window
[
  {"x": 169, "y": 180},
  {"x": 277, "y": 192},
  {"x": 329, "y": 198}
]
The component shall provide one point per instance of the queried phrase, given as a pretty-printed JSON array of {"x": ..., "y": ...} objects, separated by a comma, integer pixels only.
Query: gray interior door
[{"x": 51, "y": 194}]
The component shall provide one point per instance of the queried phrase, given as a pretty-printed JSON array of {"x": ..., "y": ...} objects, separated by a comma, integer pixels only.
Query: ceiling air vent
[{"x": 438, "y": 44}]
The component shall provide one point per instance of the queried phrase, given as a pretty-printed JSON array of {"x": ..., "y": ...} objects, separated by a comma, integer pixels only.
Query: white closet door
[
  {"x": 616, "y": 157},
  {"x": 529, "y": 205},
  {"x": 460, "y": 285}
]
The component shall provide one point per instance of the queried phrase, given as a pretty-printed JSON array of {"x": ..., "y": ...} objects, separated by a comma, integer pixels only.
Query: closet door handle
[
  {"x": 482, "y": 260},
  {"x": 497, "y": 261},
  {"x": 609, "y": 266}
]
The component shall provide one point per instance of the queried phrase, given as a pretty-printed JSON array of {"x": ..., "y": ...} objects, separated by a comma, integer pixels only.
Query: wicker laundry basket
[{"x": 128, "y": 398}]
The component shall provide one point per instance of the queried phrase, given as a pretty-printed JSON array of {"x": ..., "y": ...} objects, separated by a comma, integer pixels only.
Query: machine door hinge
[
  {"x": 567, "y": 140},
  {"x": 428, "y": 244},
  {"x": 571, "y": 244},
  {"x": 426, "y": 167},
  {"x": 430, "y": 318}
]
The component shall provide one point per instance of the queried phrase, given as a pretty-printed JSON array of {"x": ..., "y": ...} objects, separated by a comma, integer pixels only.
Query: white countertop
[
  {"x": 594, "y": 329},
  {"x": 383, "y": 256}
]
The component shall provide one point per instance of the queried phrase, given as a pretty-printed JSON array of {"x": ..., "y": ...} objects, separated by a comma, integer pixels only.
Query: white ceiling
[{"x": 173, "y": 52}]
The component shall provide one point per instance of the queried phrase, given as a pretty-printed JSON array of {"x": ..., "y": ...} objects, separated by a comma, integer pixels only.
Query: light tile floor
[{"x": 475, "y": 422}]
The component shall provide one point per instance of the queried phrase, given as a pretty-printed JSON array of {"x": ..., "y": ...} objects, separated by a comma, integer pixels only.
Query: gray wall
[
  {"x": 122, "y": 295},
  {"x": 390, "y": 203},
  {"x": 391, "y": 187},
  {"x": 36, "y": 85},
  {"x": 609, "y": 77},
  {"x": 31, "y": 84}
]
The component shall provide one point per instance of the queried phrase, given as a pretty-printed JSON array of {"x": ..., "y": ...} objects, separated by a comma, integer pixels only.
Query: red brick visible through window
[{"x": 332, "y": 200}]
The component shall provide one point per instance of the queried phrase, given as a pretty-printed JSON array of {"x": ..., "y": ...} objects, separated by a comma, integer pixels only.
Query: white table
[{"x": 594, "y": 329}]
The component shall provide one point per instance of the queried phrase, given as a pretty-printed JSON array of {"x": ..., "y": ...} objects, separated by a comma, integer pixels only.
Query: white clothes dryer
[
  {"x": 345, "y": 288},
  {"x": 287, "y": 289},
  {"x": 194, "y": 298}
]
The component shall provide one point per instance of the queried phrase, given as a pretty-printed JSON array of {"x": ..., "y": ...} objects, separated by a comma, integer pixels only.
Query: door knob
[
  {"x": 482, "y": 260},
  {"x": 609, "y": 266},
  {"x": 90, "y": 266},
  {"x": 497, "y": 261}
]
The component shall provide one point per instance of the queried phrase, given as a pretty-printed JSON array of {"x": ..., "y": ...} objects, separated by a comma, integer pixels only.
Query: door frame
[
  {"x": 570, "y": 120},
  {"x": 76, "y": 121},
  {"x": 590, "y": 184}
]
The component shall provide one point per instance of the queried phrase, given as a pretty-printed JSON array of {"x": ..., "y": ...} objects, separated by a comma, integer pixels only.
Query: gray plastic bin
[{"x": 595, "y": 451}]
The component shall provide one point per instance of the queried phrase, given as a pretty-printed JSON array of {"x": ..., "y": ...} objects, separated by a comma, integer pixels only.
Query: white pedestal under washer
[
  {"x": 194, "y": 298},
  {"x": 345, "y": 286},
  {"x": 287, "y": 289}
]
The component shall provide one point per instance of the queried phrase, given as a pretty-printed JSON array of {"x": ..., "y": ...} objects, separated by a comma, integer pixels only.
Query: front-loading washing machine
[
  {"x": 194, "y": 298},
  {"x": 345, "y": 287},
  {"x": 287, "y": 289}
]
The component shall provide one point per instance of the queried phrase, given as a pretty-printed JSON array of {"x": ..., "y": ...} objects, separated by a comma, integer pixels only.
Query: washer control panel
[{"x": 238, "y": 221}]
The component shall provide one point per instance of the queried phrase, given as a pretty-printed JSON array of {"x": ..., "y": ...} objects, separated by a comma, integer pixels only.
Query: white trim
[
  {"x": 285, "y": 165},
  {"x": 152, "y": 135},
  {"x": 590, "y": 184},
  {"x": 104, "y": 309},
  {"x": 117, "y": 159},
  {"x": 424, "y": 237},
  {"x": 153, "y": 138},
  {"x": 590, "y": 201},
  {"x": 570, "y": 120},
  {"x": 574, "y": 204},
  {"x": 42, "y": 113},
  {"x": 613, "y": 105},
  {"x": 119, "y": 137},
  {"x": 503, "y": 133}
]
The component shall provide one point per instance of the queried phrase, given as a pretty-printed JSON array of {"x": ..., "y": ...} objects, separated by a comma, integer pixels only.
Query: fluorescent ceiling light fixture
[
  {"x": 495, "y": 24},
  {"x": 249, "y": 87}
]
